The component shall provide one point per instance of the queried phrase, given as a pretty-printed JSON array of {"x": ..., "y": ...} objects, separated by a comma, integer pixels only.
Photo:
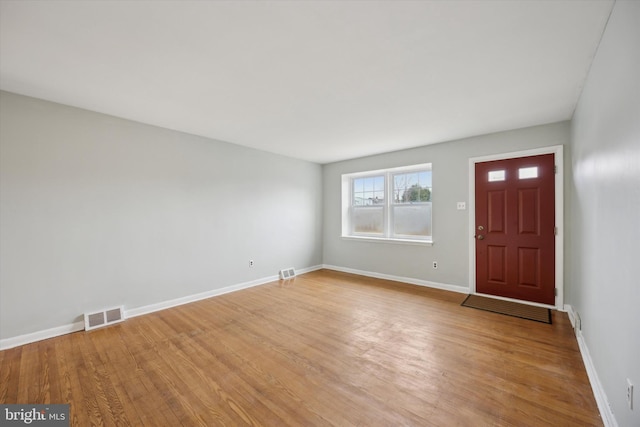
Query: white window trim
[
  {"x": 392, "y": 240},
  {"x": 346, "y": 205}
]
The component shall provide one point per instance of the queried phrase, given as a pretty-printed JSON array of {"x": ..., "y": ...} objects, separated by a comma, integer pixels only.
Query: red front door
[{"x": 515, "y": 228}]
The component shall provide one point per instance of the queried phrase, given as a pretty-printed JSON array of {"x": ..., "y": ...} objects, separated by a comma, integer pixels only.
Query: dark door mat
[{"x": 529, "y": 312}]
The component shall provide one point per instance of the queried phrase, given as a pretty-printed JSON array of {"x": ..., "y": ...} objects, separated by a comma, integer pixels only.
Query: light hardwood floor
[{"x": 325, "y": 348}]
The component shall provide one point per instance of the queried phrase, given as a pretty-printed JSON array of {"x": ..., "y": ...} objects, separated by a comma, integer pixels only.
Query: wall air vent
[
  {"x": 102, "y": 318},
  {"x": 287, "y": 273}
]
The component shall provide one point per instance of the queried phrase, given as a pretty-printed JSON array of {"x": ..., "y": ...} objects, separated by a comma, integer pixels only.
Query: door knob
[{"x": 480, "y": 237}]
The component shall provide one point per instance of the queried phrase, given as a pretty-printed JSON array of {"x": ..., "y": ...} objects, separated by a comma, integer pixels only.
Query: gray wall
[
  {"x": 606, "y": 210},
  {"x": 97, "y": 211},
  {"x": 450, "y": 226}
]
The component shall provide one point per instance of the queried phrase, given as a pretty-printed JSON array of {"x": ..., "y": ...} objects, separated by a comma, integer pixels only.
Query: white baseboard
[
  {"x": 572, "y": 316},
  {"x": 410, "y": 280},
  {"x": 309, "y": 269},
  {"x": 607, "y": 416},
  {"x": 146, "y": 309},
  {"x": 8, "y": 343},
  {"x": 212, "y": 293}
]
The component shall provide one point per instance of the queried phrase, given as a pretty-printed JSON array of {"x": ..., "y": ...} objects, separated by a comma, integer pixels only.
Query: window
[
  {"x": 368, "y": 205},
  {"x": 392, "y": 204},
  {"x": 528, "y": 173},
  {"x": 496, "y": 176}
]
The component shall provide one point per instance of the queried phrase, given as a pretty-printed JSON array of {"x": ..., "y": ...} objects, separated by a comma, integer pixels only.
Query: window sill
[{"x": 389, "y": 240}]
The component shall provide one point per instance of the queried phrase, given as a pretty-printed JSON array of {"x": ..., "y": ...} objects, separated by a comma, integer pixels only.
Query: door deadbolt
[{"x": 480, "y": 228}]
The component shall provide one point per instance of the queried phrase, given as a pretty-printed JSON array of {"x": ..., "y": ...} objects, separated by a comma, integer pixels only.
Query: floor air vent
[
  {"x": 287, "y": 273},
  {"x": 103, "y": 318}
]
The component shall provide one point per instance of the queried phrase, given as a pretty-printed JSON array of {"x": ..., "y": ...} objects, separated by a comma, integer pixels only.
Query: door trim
[{"x": 557, "y": 150}]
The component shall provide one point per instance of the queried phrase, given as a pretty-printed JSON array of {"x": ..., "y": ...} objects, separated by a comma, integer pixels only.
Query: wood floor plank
[{"x": 325, "y": 348}]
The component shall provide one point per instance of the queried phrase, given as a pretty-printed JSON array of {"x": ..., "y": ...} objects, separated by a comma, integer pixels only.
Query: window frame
[{"x": 388, "y": 234}]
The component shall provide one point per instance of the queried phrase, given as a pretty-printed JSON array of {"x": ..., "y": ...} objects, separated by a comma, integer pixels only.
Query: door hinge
[
  {"x": 555, "y": 231},
  {"x": 555, "y": 291},
  {"x": 555, "y": 168}
]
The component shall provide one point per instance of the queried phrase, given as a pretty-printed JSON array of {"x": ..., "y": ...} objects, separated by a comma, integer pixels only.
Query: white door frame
[{"x": 557, "y": 150}]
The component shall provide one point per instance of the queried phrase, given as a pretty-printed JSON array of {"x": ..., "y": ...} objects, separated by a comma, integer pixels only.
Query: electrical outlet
[
  {"x": 251, "y": 263},
  {"x": 462, "y": 206},
  {"x": 630, "y": 394},
  {"x": 435, "y": 264}
]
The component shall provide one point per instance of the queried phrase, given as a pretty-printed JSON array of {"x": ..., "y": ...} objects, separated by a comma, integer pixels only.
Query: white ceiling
[{"x": 316, "y": 80}]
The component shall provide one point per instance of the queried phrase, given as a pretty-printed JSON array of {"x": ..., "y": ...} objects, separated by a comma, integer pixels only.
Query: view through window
[{"x": 389, "y": 204}]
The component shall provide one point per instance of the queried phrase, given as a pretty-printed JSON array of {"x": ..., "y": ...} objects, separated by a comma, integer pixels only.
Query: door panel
[
  {"x": 497, "y": 213},
  {"x": 529, "y": 266},
  {"x": 515, "y": 228},
  {"x": 528, "y": 207},
  {"x": 497, "y": 264}
]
